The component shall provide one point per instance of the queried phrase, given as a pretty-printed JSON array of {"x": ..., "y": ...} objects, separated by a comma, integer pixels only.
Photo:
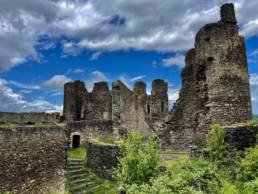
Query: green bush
[
  {"x": 189, "y": 177},
  {"x": 139, "y": 162},
  {"x": 251, "y": 187},
  {"x": 248, "y": 170},
  {"x": 216, "y": 148}
]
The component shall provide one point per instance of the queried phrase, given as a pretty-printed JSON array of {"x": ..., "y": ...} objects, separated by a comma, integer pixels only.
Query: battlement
[
  {"x": 227, "y": 13},
  {"x": 100, "y": 87},
  {"x": 140, "y": 87}
]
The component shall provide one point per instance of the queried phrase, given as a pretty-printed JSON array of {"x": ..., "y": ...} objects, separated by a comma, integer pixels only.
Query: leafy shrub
[
  {"x": 251, "y": 187},
  {"x": 189, "y": 177},
  {"x": 216, "y": 148},
  {"x": 248, "y": 170},
  {"x": 139, "y": 162}
]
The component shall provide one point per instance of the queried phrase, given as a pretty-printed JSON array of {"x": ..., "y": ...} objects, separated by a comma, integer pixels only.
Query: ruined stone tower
[
  {"x": 74, "y": 93},
  {"x": 215, "y": 83}
]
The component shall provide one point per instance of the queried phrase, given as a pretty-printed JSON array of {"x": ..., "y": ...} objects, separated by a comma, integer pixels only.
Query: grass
[{"x": 79, "y": 153}]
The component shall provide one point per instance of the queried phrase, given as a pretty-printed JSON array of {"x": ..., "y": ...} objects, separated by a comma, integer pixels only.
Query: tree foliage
[{"x": 139, "y": 161}]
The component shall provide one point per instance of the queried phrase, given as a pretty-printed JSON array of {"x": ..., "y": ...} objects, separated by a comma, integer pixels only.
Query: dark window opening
[
  {"x": 117, "y": 87},
  {"x": 210, "y": 59},
  {"x": 162, "y": 106},
  {"x": 207, "y": 39},
  {"x": 148, "y": 109},
  {"x": 76, "y": 141},
  {"x": 201, "y": 75}
]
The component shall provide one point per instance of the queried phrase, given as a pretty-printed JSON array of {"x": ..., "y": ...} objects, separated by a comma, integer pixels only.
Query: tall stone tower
[
  {"x": 74, "y": 96},
  {"x": 215, "y": 83}
]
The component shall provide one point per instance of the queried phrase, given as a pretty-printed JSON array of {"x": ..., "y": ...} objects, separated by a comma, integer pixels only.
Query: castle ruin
[
  {"x": 215, "y": 89},
  {"x": 118, "y": 109}
]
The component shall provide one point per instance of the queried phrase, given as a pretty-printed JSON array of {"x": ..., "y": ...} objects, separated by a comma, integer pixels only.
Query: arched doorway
[{"x": 76, "y": 141}]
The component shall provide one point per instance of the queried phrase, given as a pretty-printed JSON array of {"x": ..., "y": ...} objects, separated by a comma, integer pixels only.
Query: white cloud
[
  {"x": 169, "y": 25},
  {"x": 56, "y": 83},
  {"x": 95, "y": 56},
  {"x": 254, "y": 79},
  {"x": 137, "y": 78},
  {"x": 129, "y": 80},
  {"x": 15, "y": 102},
  {"x": 78, "y": 71},
  {"x": 24, "y": 86},
  {"x": 177, "y": 60},
  {"x": 254, "y": 91},
  {"x": 254, "y": 53}
]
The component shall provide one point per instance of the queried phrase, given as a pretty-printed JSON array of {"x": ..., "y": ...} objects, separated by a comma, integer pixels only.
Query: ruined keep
[
  {"x": 118, "y": 109},
  {"x": 215, "y": 83},
  {"x": 215, "y": 89}
]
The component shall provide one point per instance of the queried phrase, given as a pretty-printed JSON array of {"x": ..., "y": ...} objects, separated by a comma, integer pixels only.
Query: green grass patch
[{"x": 79, "y": 153}]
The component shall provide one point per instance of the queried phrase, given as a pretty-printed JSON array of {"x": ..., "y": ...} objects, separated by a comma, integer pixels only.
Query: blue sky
[{"x": 47, "y": 43}]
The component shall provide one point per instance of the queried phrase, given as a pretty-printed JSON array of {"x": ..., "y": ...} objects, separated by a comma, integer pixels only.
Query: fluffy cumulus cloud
[
  {"x": 177, "y": 60},
  {"x": 15, "y": 102},
  {"x": 56, "y": 83},
  {"x": 169, "y": 25}
]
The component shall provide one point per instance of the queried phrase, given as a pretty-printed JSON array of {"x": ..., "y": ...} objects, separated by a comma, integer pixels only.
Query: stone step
[
  {"x": 75, "y": 164},
  {"x": 82, "y": 186},
  {"x": 75, "y": 160},
  {"x": 76, "y": 177},
  {"x": 76, "y": 172},
  {"x": 73, "y": 182},
  {"x": 75, "y": 167}
]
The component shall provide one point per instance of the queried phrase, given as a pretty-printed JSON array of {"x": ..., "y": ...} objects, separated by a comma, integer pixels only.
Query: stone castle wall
[
  {"x": 215, "y": 83},
  {"x": 102, "y": 159},
  {"x": 32, "y": 159},
  {"x": 124, "y": 109},
  {"x": 29, "y": 118},
  {"x": 91, "y": 130}
]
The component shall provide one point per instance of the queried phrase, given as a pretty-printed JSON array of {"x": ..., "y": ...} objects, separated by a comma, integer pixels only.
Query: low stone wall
[
  {"x": 92, "y": 130},
  {"x": 102, "y": 159},
  {"x": 32, "y": 159},
  {"x": 29, "y": 118},
  {"x": 241, "y": 136}
]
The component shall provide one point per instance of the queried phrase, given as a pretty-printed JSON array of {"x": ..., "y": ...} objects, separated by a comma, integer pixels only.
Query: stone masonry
[
  {"x": 120, "y": 107},
  {"x": 215, "y": 83}
]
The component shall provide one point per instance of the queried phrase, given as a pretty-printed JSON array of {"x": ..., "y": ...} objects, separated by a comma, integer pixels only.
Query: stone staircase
[{"x": 80, "y": 180}]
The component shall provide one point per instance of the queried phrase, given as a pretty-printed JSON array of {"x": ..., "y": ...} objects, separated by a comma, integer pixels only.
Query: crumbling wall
[
  {"x": 241, "y": 136},
  {"x": 29, "y": 118},
  {"x": 128, "y": 108},
  {"x": 215, "y": 84},
  {"x": 32, "y": 159},
  {"x": 135, "y": 110},
  {"x": 74, "y": 96},
  {"x": 102, "y": 159}
]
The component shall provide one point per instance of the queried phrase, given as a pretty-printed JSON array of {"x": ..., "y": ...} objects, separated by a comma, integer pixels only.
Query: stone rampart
[
  {"x": 32, "y": 159},
  {"x": 29, "y": 118}
]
